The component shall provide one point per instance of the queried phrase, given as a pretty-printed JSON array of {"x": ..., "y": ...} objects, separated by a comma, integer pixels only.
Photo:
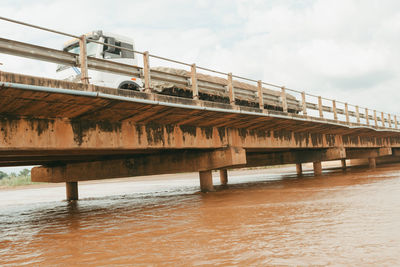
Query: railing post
[
  {"x": 375, "y": 119},
  {"x": 395, "y": 121},
  {"x": 390, "y": 121},
  {"x": 230, "y": 89},
  {"x": 83, "y": 59},
  {"x": 334, "y": 110},
  {"x": 383, "y": 119},
  {"x": 357, "y": 115},
  {"x": 146, "y": 71},
  {"x": 284, "y": 102},
  {"x": 260, "y": 95},
  {"x": 321, "y": 113},
  {"x": 346, "y": 110},
  {"x": 303, "y": 103},
  {"x": 366, "y": 116},
  {"x": 195, "y": 88}
]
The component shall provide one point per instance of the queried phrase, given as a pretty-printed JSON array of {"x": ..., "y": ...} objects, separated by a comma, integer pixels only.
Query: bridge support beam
[
  {"x": 223, "y": 176},
  {"x": 317, "y": 165},
  {"x": 206, "y": 182},
  {"x": 372, "y": 163},
  {"x": 71, "y": 190},
  {"x": 299, "y": 169},
  {"x": 396, "y": 151},
  {"x": 294, "y": 157},
  {"x": 388, "y": 159},
  {"x": 363, "y": 153},
  {"x": 343, "y": 161},
  {"x": 141, "y": 165}
]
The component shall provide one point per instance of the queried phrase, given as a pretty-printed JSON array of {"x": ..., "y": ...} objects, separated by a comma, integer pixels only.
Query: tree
[
  {"x": 3, "y": 175},
  {"x": 24, "y": 172}
]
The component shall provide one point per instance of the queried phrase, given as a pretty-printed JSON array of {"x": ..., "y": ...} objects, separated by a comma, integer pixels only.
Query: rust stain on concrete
[
  {"x": 189, "y": 130},
  {"x": 316, "y": 139},
  {"x": 283, "y": 135},
  {"x": 80, "y": 128},
  {"x": 301, "y": 138},
  {"x": 330, "y": 139},
  {"x": 154, "y": 133}
]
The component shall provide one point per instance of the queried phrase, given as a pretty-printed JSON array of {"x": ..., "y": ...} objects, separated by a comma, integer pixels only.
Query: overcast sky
[{"x": 342, "y": 49}]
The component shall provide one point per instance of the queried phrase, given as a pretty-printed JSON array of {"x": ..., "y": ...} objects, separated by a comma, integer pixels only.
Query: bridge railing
[{"x": 231, "y": 89}]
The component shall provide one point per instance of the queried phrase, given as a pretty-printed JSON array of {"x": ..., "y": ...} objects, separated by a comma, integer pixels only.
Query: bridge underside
[{"x": 105, "y": 133}]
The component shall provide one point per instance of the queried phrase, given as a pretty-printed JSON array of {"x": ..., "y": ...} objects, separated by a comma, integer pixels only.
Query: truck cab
[{"x": 102, "y": 51}]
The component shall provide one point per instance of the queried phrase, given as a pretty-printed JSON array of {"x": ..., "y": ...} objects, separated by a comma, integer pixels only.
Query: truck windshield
[{"x": 90, "y": 47}]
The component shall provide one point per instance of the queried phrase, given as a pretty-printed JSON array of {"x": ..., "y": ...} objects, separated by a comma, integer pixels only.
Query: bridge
[{"x": 80, "y": 131}]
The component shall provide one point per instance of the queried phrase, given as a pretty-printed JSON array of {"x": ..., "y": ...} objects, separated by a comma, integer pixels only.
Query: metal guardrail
[{"x": 197, "y": 84}]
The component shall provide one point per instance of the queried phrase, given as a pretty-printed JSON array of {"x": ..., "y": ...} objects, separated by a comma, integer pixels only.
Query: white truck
[
  {"x": 167, "y": 81},
  {"x": 103, "y": 52}
]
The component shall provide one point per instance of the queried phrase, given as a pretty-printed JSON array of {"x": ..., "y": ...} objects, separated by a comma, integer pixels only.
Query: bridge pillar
[
  {"x": 299, "y": 169},
  {"x": 343, "y": 164},
  {"x": 372, "y": 163},
  {"x": 72, "y": 190},
  {"x": 223, "y": 176},
  {"x": 206, "y": 182},
  {"x": 317, "y": 168}
]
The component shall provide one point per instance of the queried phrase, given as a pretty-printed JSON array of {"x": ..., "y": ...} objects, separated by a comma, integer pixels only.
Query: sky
[{"x": 346, "y": 50}]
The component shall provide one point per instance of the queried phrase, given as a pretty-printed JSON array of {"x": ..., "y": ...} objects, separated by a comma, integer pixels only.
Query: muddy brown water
[{"x": 264, "y": 218}]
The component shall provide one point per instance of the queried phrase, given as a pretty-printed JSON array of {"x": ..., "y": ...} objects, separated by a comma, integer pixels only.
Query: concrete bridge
[{"x": 79, "y": 131}]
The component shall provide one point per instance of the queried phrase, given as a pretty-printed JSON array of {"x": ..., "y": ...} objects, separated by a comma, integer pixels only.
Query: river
[{"x": 265, "y": 218}]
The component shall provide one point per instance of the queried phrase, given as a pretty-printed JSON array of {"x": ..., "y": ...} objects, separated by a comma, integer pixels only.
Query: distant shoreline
[{"x": 159, "y": 177}]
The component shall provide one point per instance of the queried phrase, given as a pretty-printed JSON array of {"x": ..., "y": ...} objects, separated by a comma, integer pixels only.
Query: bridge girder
[{"x": 141, "y": 165}]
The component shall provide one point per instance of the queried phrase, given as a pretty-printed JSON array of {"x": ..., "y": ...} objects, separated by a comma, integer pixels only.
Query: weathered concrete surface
[
  {"x": 317, "y": 168},
  {"x": 71, "y": 190},
  {"x": 60, "y": 133},
  {"x": 379, "y": 160},
  {"x": 206, "y": 182},
  {"x": 368, "y": 152},
  {"x": 296, "y": 156},
  {"x": 343, "y": 163},
  {"x": 299, "y": 169},
  {"x": 62, "y": 129},
  {"x": 223, "y": 176},
  {"x": 372, "y": 163},
  {"x": 72, "y": 137},
  {"x": 162, "y": 163}
]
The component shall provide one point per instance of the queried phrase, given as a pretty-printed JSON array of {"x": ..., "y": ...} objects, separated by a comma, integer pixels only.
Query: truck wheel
[{"x": 129, "y": 85}]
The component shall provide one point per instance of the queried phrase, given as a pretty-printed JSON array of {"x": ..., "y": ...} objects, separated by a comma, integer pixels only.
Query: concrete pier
[
  {"x": 372, "y": 163},
  {"x": 317, "y": 168},
  {"x": 206, "y": 182},
  {"x": 223, "y": 176},
  {"x": 299, "y": 169},
  {"x": 71, "y": 190},
  {"x": 343, "y": 164}
]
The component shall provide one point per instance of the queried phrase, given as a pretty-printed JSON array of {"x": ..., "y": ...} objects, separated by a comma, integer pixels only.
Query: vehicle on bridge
[
  {"x": 101, "y": 51},
  {"x": 166, "y": 81}
]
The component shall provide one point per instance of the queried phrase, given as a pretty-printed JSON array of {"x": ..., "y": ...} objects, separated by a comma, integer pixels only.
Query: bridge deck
[
  {"x": 68, "y": 127},
  {"x": 88, "y": 102}
]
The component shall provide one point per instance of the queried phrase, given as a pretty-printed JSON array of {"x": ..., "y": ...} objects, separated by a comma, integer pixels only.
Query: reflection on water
[{"x": 263, "y": 218}]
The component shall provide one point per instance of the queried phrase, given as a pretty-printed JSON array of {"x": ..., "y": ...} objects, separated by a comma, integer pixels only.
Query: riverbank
[{"x": 13, "y": 180}]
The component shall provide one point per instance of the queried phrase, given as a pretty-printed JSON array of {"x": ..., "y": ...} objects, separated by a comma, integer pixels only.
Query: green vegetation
[{"x": 13, "y": 179}]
